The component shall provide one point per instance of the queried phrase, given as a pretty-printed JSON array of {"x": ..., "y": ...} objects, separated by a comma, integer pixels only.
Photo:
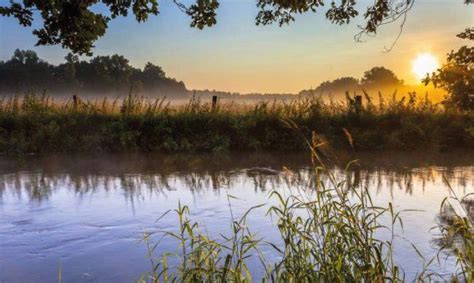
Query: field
[{"x": 38, "y": 124}]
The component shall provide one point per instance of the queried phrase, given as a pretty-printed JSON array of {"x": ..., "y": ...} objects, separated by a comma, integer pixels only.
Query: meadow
[{"x": 39, "y": 124}]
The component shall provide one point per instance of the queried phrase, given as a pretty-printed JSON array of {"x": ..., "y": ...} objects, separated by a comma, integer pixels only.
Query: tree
[
  {"x": 70, "y": 68},
  {"x": 26, "y": 71},
  {"x": 457, "y": 75},
  {"x": 27, "y": 57},
  {"x": 377, "y": 78},
  {"x": 380, "y": 77},
  {"x": 151, "y": 77},
  {"x": 338, "y": 85},
  {"x": 104, "y": 73},
  {"x": 76, "y": 26},
  {"x": 153, "y": 72}
]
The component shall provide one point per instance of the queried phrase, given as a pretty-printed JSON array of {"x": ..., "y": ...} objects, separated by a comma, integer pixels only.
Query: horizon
[
  {"x": 238, "y": 56},
  {"x": 321, "y": 87}
]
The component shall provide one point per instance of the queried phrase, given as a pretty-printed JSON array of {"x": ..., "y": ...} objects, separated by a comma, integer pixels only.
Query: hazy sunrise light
[
  {"x": 236, "y": 141},
  {"x": 424, "y": 64}
]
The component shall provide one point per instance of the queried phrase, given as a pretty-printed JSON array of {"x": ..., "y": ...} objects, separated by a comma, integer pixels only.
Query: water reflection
[
  {"x": 137, "y": 175},
  {"x": 456, "y": 223},
  {"x": 88, "y": 212}
]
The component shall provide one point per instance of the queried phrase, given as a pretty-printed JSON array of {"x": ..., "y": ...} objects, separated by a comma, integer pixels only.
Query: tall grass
[
  {"x": 457, "y": 231},
  {"x": 38, "y": 124},
  {"x": 329, "y": 235}
]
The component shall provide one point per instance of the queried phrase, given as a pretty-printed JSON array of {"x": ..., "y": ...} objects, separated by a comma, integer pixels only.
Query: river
[{"x": 84, "y": 217}]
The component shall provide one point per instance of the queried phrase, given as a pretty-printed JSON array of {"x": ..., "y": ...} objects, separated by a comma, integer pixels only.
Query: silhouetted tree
[
  {"x": 25, "y": 70},
  {"x": 457, "y": 75},
  {"x": 338, "y": 85},
  {"x": 150, "y": 77},
  {"x": 66, "y": 73},
  {"x": 379, "y": 77},
  {"x": 75, "y": 25}
]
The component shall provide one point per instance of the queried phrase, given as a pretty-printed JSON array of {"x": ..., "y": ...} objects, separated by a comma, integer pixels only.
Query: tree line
[
  {"x": 113, "y": 75},
  {"x": 377, "y": 78},
  {"x": 25, "y": 71}
]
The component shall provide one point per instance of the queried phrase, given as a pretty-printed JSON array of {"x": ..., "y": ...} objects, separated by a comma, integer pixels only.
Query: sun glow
[{"x": 424, "y": 63}]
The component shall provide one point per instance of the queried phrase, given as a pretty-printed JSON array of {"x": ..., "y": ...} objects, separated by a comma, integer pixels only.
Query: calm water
[{"x": 86, "y": 215}]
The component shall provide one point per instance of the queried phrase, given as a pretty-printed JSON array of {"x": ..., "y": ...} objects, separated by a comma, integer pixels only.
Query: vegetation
[
  {"x": 325, "y": 238},
  {"x": 457, "y": 231},
  {"x": 26, "y": 71},
  {"x": 327, "y": 235},
  {"x": 113, "y": 75},
  {"x": 76, "y": 25},
  {"x": 457, "y": 75},
  {"x": 376, "y": 78},
  {"x": 35, "y": 124}
]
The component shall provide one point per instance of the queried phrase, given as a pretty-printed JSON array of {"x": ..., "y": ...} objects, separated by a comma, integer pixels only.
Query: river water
[{"x": 85, "y": 216}]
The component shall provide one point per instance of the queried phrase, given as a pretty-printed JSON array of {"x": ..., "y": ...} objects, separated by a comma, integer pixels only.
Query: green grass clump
[
  {"x": 328, "y": 237},
  {"x": 330, "y": 234},
  {"x": 38, "y": 124},
  {"x": 457, "y": 232}
]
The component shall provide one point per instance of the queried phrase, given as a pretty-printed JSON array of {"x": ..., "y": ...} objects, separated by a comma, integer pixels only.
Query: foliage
[
  {"x": 374, "y": 79},
  {"x": 76, "y": 25},
  {"x": 25, "y": 71},
  {"x": 113, "y": 75},
  {"x": 378, "y": 77},
  {"x": 457, "y": 231},
  {"x": 457, "y": 75},
  {"x": 339, "y": 85},
  {"x": 34, "y": 124},
  {"x": 328, "y": 232},
  {"x": 328, "y": 236}
]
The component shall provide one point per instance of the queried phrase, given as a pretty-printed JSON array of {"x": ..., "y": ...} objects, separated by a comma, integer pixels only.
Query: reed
[
  {"x": 456, "y": 223},
  {"x": 328, "y": 236},
  {"x": 40, "y": 124},
  {"x": 328, "y": 233}
]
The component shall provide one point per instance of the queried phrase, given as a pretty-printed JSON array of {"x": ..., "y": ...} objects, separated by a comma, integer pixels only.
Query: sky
[{"x": 236, "y": 55}]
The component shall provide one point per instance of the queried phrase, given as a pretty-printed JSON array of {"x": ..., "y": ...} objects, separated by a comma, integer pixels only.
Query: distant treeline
[
  {"x": 114, "y": 76},
  {"x": 377, "y": 78},
  {"x": 25, "y": 71}
]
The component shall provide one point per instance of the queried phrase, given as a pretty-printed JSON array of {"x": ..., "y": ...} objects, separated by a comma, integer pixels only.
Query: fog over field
[{"x": 113, "y": 77}]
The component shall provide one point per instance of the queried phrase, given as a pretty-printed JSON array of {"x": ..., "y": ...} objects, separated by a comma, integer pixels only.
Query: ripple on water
[{"x": 96, "y": 237}]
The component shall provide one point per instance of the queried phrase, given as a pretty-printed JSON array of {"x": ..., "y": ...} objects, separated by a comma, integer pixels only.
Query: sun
[{"x": 424, "y": 63}]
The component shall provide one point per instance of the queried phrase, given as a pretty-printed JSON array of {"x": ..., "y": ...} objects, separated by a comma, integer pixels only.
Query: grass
[
  {"x": 38, "y": 124},
  {"x": 327, "y": 236},
  {"x": 457, "y": 231}
]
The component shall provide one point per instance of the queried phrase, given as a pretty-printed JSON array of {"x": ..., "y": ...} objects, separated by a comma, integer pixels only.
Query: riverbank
[{"x": 38, "y": 125}]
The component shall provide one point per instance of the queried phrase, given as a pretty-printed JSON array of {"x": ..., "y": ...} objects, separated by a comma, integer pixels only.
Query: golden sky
[{"x": 238, "y": 56}]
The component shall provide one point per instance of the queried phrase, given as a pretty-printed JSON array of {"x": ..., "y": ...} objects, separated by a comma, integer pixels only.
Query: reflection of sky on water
[{"x": 88, "y": 214}]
